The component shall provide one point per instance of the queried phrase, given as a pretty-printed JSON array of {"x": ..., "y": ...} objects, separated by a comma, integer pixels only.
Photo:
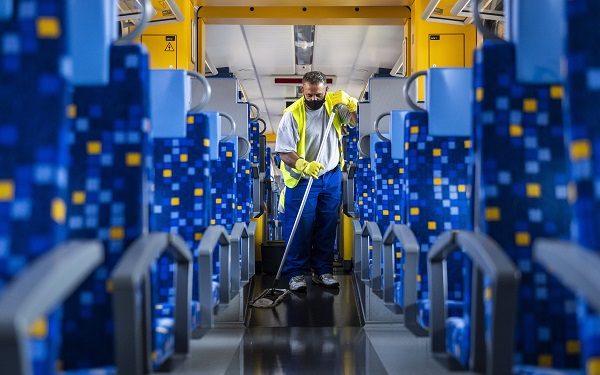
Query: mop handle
[{"x": 304, "y": 199}]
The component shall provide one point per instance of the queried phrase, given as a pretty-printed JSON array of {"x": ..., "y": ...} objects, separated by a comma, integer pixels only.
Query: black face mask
[{"x": 314, "y": 104}]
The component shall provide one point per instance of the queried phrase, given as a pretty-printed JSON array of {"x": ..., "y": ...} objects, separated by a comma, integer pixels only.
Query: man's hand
[
  {"x": 312, "y": 169},
  {"x": 340, "y": 97}
]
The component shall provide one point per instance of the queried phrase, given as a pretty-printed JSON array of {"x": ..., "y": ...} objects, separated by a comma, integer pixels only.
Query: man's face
[{"x": 314, "y": 92}]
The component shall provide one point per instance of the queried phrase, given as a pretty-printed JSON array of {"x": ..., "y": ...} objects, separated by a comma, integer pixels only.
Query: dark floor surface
[{"x": 316, "y": 332}]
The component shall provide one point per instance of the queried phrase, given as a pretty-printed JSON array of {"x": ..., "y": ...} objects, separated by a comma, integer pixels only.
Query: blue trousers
[{"x": 314, "y": 240}]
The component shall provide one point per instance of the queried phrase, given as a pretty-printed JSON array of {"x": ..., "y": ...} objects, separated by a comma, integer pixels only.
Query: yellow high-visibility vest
[{"x": 291, "y": 176}]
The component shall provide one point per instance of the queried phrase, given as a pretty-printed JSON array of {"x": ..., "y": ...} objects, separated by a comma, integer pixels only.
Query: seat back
[
  {"x": 437, "y": 182},
  {"x": 223, "y": 186},
  {"x": 521, "y": 194},
  {"x": 111, "y": 164},
  {"x": 33, "y": 150},
  {"x": 583, "y": 134},
  {"x": 254, "y": 139},
  {"x": 365, "y": 190},
  {"x": 243, "y": 178},
  {"x": 182, "y": 192},
  {"x": 390, "y": 204},
  {"x": 351, "y": 146}
]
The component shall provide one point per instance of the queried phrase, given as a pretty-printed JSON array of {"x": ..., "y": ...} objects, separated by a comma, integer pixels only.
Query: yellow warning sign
[{"x": 161, "y": 48}]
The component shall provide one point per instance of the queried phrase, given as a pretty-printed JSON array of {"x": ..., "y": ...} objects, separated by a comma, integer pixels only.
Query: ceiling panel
[
  {"x": 257, "y": 53},
  {"x": 381, "y": 48},
  {"x": 272, "y": 48}
]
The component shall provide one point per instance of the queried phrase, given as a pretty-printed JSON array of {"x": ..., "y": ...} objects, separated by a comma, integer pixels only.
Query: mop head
[{"x": 270, "y": 298}]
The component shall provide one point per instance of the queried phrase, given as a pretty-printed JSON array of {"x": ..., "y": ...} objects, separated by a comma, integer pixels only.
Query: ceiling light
[{"x": 304, "y": 44}]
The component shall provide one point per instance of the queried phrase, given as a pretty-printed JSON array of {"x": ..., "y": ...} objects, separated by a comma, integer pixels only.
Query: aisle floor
[{"x": 317, "y": 332}]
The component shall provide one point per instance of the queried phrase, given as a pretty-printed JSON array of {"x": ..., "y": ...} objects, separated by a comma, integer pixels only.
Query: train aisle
[{"x": 317, "y": 332}]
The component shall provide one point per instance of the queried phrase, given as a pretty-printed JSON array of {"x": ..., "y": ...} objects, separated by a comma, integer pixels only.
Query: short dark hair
[{"x": 314, "y": 78}]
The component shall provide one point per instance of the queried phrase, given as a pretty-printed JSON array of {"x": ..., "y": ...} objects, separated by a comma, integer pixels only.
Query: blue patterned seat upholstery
[
  {"x": 583, "y": 137},
  {"x": 33, "y": 153},
  {"x": 223, "y": 194},
  {"x": 244, "y": 190},
  {"x": 108, "y": 197},
  {"x": 223, "y": 188},
  {"x": 521, "y": 193},
  {"x": 390, "y": 205},
  {"x": 182, "y": 200},
  {"x": 351, "y": 152},
  {"x": 437, "y": 181},
  {"x": 254, "y": 138},
  {"x": 365, "y": 190},
  {"x": 390, "y": 202}
]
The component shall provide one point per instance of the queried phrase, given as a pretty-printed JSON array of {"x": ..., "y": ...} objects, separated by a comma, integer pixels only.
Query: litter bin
[{"x": 272, "y": 253}]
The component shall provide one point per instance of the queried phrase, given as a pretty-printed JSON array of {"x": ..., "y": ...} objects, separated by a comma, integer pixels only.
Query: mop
[{"x": 272, "y": 297}]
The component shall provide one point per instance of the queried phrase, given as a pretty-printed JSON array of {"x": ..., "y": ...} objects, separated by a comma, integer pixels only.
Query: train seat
[
  {"x": 582, "y": 129},
  {"x": 521, "y": 194},
  {"x": 390, "y": 203},
  {"x": 34, "y": 253},
  {"x": 111, "y": 166},
  {"x": 182, "y": 197},
  {"x": 437, "y": 184},
  {"x": 244, "y": 190},
  {"x": 365, "y": 190},
  {"x": 576, "y": 262},
  {"x": 223, "y": 186},
  {"x": 351, "y": 150},
  {"x": 254, "y": 139}
]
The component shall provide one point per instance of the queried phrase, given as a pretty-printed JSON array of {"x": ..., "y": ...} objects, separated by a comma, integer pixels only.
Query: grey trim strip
[
  {"x": 356, "y": 248},
  {"x": 214, "y": 235},
  {"x": 489, "y": 259},
  {"x": 370, "y": 229},
  {"x": 43, "y": 285},
  {"x": 410, "y": 252},
  {"x": 258, "y": 189},
  {"x": 132, "y": 326},
  {"x": 248, "y": 265},
  {"x": 240, "y": 249},
  {"x": 348, "y": 191},
  {"x": 572, "y": 264}
]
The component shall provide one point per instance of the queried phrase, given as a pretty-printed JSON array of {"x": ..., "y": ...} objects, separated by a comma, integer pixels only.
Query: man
[{"x": 298, "y": 139}]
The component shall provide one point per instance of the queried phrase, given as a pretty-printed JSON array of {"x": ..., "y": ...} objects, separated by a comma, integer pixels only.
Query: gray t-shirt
[{"x": 316, "y": 124}]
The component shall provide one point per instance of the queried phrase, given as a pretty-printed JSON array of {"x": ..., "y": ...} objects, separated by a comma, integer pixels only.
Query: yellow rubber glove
[
  {"x": 312, "y": 169},
  {"x": 340, "y": 97}
]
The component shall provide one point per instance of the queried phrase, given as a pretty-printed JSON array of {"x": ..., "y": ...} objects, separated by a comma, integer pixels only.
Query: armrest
[
  {"x": 214, "y": 235},
  {"x": 356, "y": 246},
  {"x": 240, "y": 249},
  {"x": 348, "y": 191},
  {"x": 39, "y": 288},
  {"x": 248, "y": 262},
  {"x": 258, "y": 189},
  {"x": 488, "y": 259},
  {"x": 370, "y": 229},
  {"x": 410, "y": 248},
  {"x": 133, "y": 330},
  {"x": 572, "y": 264}
]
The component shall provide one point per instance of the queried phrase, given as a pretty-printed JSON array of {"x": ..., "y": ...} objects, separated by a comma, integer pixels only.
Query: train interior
[{"x": 140, "y": 187}]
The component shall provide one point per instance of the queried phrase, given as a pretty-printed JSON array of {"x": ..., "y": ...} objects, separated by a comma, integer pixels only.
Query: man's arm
[{"x": 289, "y": 158}]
